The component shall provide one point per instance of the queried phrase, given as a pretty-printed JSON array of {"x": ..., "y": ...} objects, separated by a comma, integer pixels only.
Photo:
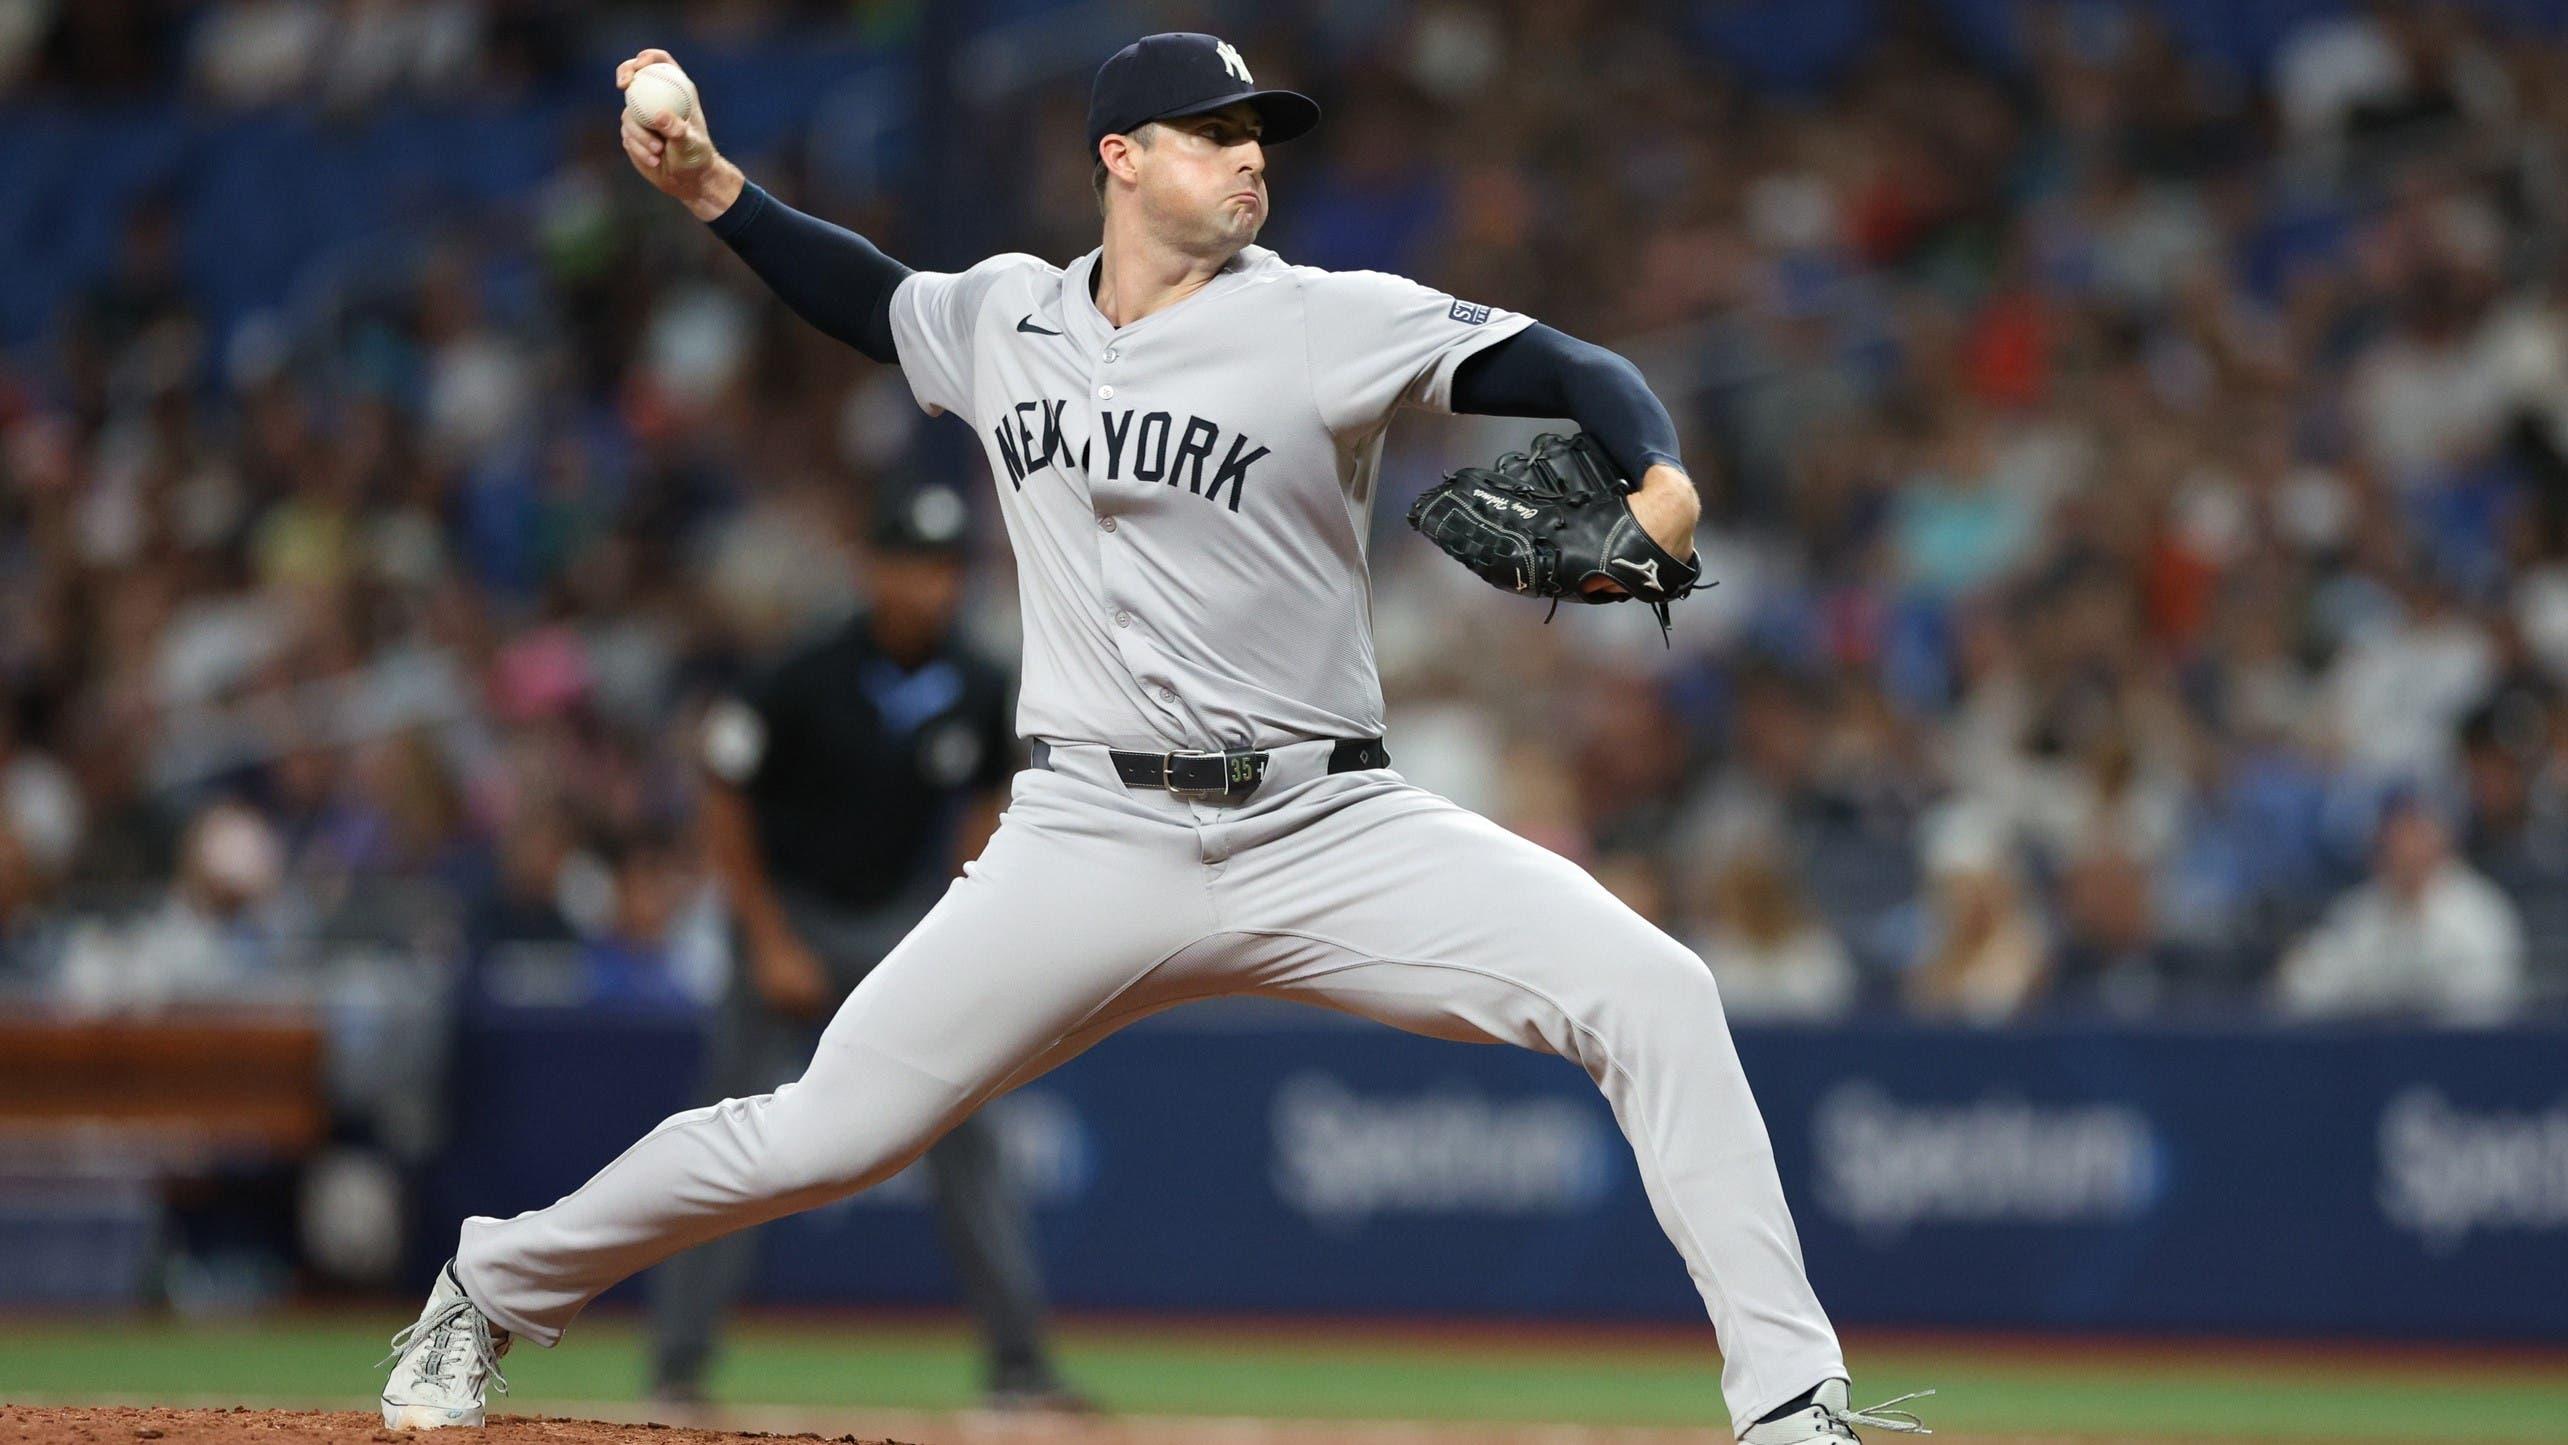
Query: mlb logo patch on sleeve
[{"x": 1468, "y": 313}]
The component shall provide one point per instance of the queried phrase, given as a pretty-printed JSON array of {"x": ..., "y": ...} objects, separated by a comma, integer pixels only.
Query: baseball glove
[{"x": 1544, "y": 522}]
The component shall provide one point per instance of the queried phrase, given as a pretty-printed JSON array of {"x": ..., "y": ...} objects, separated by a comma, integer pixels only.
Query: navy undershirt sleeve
[
  {"x": 1543, "y": 372},
  {"x": 828, "y": 275}
]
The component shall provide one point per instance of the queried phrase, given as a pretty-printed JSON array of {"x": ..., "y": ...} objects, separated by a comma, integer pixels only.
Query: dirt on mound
[
  {"x": 161, "y": 1425},
  {"x": 119, "y": 1425}
]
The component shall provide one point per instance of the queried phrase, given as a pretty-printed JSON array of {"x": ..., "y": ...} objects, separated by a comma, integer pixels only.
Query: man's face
[
  {"x": 1200, "y": 182},
  {"x": 2413, "y": 847},
  {"x": 914, "y": 595}
]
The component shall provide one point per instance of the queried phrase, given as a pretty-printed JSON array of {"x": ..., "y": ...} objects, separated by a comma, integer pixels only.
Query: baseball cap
[
  {"x": 1160, "y": 77},
  {"x": 929, "y": 518}
]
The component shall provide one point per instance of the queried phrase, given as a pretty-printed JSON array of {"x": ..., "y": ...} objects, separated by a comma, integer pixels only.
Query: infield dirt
[
  {"x": 119, "y": 1425},
  {"x": 160, "y": 1425}
]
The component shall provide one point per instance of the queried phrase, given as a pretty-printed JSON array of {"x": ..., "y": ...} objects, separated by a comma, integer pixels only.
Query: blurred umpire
[{"x": 845, "y": 788}]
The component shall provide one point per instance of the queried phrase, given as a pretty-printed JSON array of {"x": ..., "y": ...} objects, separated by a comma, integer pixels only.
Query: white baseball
[{"x": 656, "y": 91}]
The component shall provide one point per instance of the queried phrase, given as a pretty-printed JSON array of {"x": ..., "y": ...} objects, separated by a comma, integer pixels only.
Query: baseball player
[{"x": 1185, "y": 433}]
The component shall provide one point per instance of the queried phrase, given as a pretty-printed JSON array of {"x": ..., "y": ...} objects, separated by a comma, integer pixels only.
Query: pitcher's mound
[{"x": 120, "y": 1424}]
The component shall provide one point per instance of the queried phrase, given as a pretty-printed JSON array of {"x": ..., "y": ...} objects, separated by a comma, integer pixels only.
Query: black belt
[{"x": 1232, "y": 774}]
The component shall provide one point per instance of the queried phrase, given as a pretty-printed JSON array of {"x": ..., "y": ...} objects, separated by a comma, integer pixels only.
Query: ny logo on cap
[{"x": 1232, "y": 63}]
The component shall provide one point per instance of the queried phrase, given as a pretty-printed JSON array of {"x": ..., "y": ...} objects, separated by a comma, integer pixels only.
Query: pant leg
[
  {"x": 1072, "y": 907},
  {"x": 982, "y": 1218},
  {"x": 980, "y": 1215},
  {"x": 1377, "y": 898},
  {"x": 751, "y": 1049}
]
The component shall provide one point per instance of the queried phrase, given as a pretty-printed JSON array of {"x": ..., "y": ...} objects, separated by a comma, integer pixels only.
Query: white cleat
[
  {"x": 442, "y": 1364},
  {"x": 1828, "y": 1421}
]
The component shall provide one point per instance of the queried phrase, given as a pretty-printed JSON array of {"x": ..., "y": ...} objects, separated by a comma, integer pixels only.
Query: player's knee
[
  {"x": 854, "y": 1158},
  {"x": 809, "y": 1155},
  {"x": 1661, "y": 987},
  {"x": 1691, "y": 976}
]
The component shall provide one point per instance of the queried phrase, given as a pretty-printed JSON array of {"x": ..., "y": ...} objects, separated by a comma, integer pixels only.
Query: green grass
[{"x": 2234, "y": 1391}]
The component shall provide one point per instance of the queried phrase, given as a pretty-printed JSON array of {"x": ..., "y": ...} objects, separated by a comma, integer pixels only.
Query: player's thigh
[
  {"x": 1069, "y": 908},
  {"x": 1405, "y": 908},
  {"x": 1198, "y": 972}
]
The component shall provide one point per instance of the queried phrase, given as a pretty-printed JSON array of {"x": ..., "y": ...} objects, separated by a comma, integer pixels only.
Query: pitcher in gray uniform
[{"x": 1185, "y": 433}]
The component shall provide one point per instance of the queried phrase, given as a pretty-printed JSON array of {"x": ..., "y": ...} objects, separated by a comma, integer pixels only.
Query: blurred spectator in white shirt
[
  {"x": 2426, "y": 935},
  {"x": 2402, "y": 685},
  {"x": 2327, "y": 69},
  {"x": 1986, "y": 955},
  {"x": 40, "y": 804},
  {"x": 256, "y": 52},
  {"x": 1772, "y": 954},
  {"x": 218, "y": 938}
]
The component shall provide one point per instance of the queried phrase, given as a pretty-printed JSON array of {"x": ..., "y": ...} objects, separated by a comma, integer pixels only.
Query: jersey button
[
  {"x": 1111, "y": 353},
  {"x": 1105, "y": 524},
  {"x": 1105, "y": 393},
  {"x": 1122, "y": 618},
  {"x": 1168, "y": 694}
]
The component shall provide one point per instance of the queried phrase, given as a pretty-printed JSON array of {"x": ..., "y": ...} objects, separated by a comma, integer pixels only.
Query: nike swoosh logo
[{"x": 1027, "y": 324}]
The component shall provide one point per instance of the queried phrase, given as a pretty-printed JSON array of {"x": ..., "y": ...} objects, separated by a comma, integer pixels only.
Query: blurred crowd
[{"x": 2137, "y": 482}]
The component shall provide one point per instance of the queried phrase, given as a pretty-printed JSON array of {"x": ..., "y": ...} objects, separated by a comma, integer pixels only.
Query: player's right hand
[
  {"x": 675, "y": 155},
  {"x": 789, "y": 978}
]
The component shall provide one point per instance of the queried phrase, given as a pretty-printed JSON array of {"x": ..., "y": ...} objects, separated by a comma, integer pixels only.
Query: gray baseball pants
[
  {"x": 978, "y": 1212},
  {"x": 1095, "y": 905}
]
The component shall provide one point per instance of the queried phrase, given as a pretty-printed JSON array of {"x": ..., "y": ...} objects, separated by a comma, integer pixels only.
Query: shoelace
[
  {"x": 1884, "y": 1417},
  {"x": 433, "y": 1362},
  {"x": 1667, "y": 638}
]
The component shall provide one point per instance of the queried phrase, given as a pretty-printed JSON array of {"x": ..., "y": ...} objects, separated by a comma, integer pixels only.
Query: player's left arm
[{"x": 1542, "y": 372}]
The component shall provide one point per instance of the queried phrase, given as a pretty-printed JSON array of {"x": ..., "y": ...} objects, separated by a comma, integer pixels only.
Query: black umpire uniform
[{"x": 850, "y": 777}]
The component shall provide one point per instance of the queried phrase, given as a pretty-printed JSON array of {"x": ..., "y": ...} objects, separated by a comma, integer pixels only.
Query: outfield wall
[{"x": 2341, "y": 1181}]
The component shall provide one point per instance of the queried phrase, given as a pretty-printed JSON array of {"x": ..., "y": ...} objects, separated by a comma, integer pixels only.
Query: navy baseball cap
[
  {"x": 931, "y": 519},
  {"x": 1161, "y": 77}
]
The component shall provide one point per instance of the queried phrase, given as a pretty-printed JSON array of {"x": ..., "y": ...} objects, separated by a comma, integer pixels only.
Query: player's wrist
[
  {"x": 721, "y": 189},
  {"x": 1668, "y": 508},
  {"x": 1663, "y": 475}
]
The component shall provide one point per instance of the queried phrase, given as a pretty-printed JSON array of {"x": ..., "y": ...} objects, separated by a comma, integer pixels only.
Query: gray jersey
[{"x": 1188, "y": 496}]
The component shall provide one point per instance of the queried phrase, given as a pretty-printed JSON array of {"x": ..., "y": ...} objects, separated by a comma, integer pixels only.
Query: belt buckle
[{"x": 1233, "y": 773}]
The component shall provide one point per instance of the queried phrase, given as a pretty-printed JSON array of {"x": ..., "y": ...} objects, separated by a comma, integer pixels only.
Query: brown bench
[{"x": 183, "y": 1092}]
